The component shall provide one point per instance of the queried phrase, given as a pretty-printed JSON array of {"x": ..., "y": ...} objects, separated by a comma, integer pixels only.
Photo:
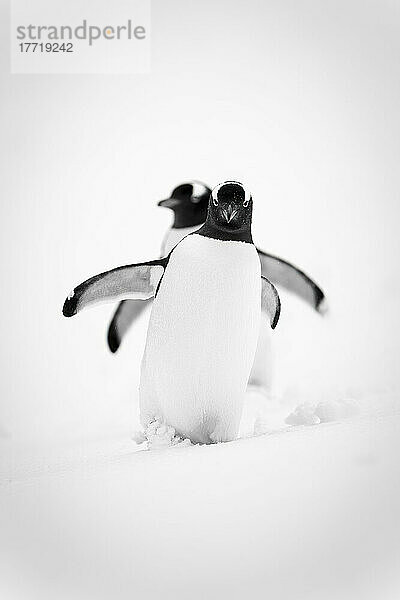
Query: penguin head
[
  {"x": 230, "y": 207},
  {"x": 189, "y": 201}
]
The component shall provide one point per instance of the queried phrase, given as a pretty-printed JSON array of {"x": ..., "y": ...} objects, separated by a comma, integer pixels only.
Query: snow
[
  {"x": 335, "y": 410},
  {"x": 304, "y": 414},
  {"x": 159, "y": 435},
  {"x": 323, "y": 412},
  {"x": 299, "y": 512}
]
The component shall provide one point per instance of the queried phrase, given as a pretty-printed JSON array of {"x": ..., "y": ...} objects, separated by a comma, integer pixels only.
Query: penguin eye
[
  {"x": 215, "y": 201},
  {"x": 195, "y": 199},
  {"x": 246, "y": 203}
]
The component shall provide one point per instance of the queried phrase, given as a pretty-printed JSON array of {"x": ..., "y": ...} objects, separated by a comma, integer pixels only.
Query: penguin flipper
[
  {"x": 135, "y": 282},
  {"x": 270, "y": 301},
  {"x": 283, "y": 273},
  {"x": 127, "y": 312}
]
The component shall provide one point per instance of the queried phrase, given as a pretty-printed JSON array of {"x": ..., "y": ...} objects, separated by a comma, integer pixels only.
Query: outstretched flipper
[
  {"x": 291, "y": 278},
  {"x": 270, "y": 302},
  {"x": 127, "y": 312},
  {"x": 135, "y": 282}
]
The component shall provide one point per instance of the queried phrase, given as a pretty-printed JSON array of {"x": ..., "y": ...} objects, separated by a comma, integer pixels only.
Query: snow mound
[
  {"x": 304, "y": 414},
  {"x": 323, "y": 412},
  {"x": 335, "y": 410},
  {"x": 158, "y": 436}
]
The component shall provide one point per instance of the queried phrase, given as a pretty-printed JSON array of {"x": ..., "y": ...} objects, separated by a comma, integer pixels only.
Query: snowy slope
[{"x": 302, "y": 512}]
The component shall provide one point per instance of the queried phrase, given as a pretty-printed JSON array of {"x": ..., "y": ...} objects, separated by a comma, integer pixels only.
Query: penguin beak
[
  {"x": 229, "y": 213},
  {"x": 169, "y": 202}
]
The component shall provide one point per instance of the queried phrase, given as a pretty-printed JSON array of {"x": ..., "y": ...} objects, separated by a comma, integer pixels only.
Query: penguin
[
  {"x": 189, "y": 203},
  {"x": 204, "y": 324}
]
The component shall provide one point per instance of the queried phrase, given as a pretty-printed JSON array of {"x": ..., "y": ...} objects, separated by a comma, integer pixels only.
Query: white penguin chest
[{"x": 206, "y": 315}]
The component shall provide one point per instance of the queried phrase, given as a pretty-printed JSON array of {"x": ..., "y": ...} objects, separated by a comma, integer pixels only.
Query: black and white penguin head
[
  {"x": 189, "y": 201},
  {"x": 231, "y": 206}
]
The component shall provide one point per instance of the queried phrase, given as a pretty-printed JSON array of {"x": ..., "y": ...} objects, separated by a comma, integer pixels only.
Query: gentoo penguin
[
  {"x": 204, "y": 324},
  {"x": 189, "y": 202}
]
